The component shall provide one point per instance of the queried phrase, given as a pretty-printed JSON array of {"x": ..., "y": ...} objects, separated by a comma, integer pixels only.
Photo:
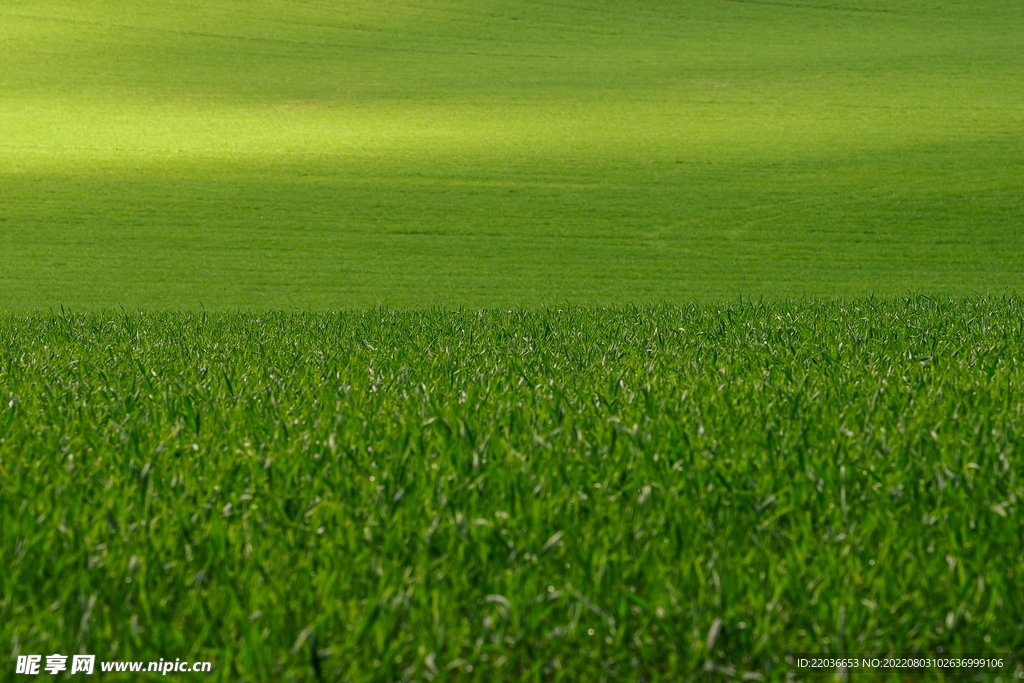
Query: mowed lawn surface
[
  {"x": 632, "y": 494},
  {"x": 311, "y": 154}
]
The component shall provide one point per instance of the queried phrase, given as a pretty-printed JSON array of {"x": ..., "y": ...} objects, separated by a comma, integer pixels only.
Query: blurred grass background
[{"x": 311, "y": 155}]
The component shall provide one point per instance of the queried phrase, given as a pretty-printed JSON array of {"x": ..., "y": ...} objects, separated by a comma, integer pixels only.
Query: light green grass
[
  {"x": 279, "y": 154},
  {"x": 468, "y": 495}
]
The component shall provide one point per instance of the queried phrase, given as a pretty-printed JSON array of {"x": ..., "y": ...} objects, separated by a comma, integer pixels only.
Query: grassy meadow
[
  {"x": 232, "y": 154},
  {"x": 657, "y": 494},
  {"x": 429, "y": 340}
]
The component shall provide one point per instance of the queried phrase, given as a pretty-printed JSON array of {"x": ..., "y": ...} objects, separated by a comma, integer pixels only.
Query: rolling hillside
[{"x": 312, "y": 154}]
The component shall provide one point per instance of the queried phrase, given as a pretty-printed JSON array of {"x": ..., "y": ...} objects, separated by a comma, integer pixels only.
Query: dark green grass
[
  {"x": 278, "y": 154},
  {"x": 467, "y": 495}
]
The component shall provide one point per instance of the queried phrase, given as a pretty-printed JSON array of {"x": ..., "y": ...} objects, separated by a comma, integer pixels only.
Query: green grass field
[
  {"x": 575, "y": 495},
  {"x": 411, "y": 152},
  {"x": 428, "y": 340}
]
